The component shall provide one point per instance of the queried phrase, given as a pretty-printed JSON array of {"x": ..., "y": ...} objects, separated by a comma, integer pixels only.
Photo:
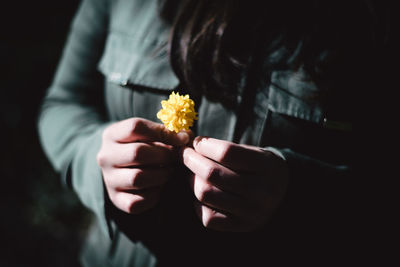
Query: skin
[
  {"x": 237, "y": 187},
  {"x": 136, "y": 158}
]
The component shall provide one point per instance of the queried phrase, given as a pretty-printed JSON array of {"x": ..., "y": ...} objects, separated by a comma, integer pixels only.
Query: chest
[{"x": 289, "y": 112}]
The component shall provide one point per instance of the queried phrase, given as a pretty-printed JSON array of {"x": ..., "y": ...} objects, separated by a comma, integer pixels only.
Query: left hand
[{"x": 237, "y": 186}]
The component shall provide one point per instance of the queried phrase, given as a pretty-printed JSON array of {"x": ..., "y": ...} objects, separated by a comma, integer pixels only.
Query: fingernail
[
  {"x": 183, "y": 137},
  {"x": 198, "y": 139}
]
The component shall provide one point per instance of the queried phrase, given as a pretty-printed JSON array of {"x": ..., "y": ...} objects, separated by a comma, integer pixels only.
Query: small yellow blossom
[{"x": 177, "y": 112}]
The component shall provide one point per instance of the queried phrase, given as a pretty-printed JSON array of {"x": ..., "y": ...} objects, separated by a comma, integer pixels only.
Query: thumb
[
  {"x": 176, "y": 139},
  {"x": 142, "y": 130},
  {"x": 158, "y": 132}
]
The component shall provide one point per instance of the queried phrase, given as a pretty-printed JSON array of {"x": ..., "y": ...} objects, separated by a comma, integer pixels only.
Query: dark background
[{"x": 42, "y": 223}]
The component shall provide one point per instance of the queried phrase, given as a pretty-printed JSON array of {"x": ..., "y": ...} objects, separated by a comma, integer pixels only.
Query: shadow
[{"x": 42, "y": 224}]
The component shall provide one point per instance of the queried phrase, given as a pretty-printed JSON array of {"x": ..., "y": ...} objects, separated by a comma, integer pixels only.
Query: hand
[
  {"x": 136, "y": 158},
  {"x": 237, "y": 186}
]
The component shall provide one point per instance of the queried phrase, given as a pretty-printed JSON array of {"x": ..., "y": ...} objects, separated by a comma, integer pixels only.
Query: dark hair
[{"x": 218, "y": 47}]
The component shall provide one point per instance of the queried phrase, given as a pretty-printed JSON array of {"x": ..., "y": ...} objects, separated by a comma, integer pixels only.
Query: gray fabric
[
  {"x": 120, "y": 252},
  {"x": 115, "y": 66}
]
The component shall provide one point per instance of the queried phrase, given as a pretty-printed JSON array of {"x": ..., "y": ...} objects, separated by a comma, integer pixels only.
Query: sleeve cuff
[{"x": 87, "y": 179}]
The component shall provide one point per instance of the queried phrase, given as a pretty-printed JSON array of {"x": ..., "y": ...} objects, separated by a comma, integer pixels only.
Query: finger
[
  {"x": 135, "y": 203},
  {"x": 216, "y": 198},
  {"x": 138, "y": 129},
  {"x": 137, "y": 178},
  {"x": 142, "y": 154},
  {"x": 215, "y": 220},
  {"x": 234, "y": 156},
  {"x": 212, "y": 172}
]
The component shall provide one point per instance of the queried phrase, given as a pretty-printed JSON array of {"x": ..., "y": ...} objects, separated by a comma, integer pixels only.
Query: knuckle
[
  {"x": 113, "y": 197},
  {"x": 139, "y": 205},
  {"x": 106, "y": 133},
  {"x": 101, "y": 159},
  {"x": 204, "y": 193},
  {"x": 166, "y": 136},
  {"x": 223, "y": 153},
  {"x": 137, "y": 152},
  {"x": 208, "y": 220},
  {"x": 163, "y": 134},
  {"x": 208, "y": 223},
  {"x": 133, "y": 206},
  {"x": 137, "y": 178},
  {"x": 212, "y": 174},
  {"x": 136, "y": 125}
]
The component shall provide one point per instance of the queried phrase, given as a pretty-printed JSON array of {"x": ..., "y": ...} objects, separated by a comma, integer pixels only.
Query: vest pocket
[
  {"x": 291, "y": 95},
  {"x": 128, "y": 60},
  {"x": 138, "y": 76},
  {"x": 296, "y": 120}
]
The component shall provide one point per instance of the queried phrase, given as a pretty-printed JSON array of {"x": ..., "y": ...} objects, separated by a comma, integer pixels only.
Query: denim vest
[{"x": 126, "y": 42}]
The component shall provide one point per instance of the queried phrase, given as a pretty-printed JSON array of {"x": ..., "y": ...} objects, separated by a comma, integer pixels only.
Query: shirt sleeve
[{"x": 72, "y": 114}]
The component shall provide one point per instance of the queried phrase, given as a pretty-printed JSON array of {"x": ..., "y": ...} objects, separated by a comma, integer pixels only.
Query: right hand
[{"x": 136, "y": 158}]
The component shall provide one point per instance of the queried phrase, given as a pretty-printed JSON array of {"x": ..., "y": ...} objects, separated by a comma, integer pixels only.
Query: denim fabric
[{"x": 115, "y": 66}]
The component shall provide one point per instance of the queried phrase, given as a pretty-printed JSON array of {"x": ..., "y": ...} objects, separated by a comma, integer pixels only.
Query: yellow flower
[{"x": 177, "y": 112}]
